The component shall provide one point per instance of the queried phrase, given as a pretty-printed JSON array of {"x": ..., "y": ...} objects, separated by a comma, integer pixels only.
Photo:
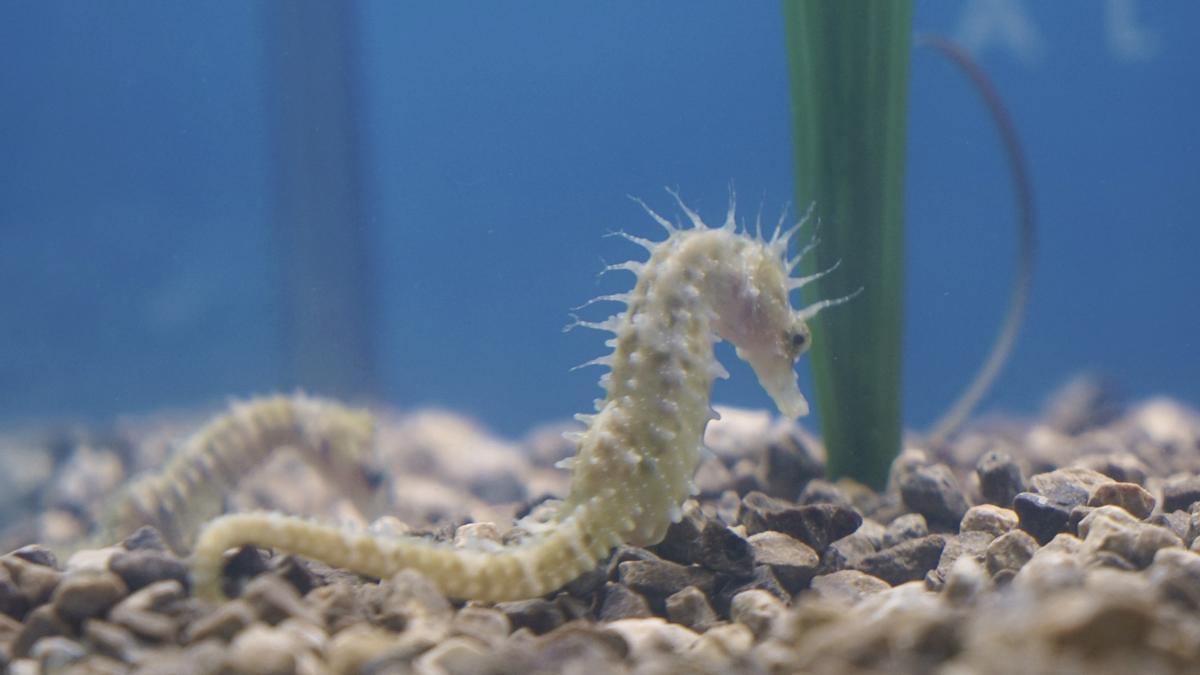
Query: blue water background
[{"x": 500, "y": 140}]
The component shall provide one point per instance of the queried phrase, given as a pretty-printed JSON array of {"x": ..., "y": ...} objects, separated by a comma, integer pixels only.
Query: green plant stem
[{"x": 849, "y": 81}]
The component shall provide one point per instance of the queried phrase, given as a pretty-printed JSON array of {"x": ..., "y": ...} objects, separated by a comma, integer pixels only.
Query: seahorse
[
  {"x": 192, "y": 487},
  {"x": 638, "y": 453}
]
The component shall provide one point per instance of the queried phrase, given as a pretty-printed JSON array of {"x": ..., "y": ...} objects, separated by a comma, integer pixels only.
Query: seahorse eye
[{"x": 798, "y": 339}]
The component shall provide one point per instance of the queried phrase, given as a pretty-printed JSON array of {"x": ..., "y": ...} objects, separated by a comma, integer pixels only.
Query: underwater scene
[{"x": 799, "y": 336}]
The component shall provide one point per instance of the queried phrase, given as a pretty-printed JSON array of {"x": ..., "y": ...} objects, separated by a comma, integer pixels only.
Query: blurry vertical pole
[
  {"x": 849, "y": 80},
  {"x": 316, "y": 162}
]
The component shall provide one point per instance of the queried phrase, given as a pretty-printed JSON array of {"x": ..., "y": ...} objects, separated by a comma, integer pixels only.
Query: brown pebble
[
  {"x": 1134, "y": 498},
  {"x": 1010, "y": 551},
  {"x": 989, "y": 518},
  {"x": 55, "y": 654},
  {"x": 337, "y": 605},
  {"x": 656, "y": 579},
  {"x": 41, "y": 622},
  {"x": 757, "y": 610},
  {"x": 263, "y": 650},
  {"x": 37, "y": 554},
  {"x": 847, "y": 586},
  {"x": 274, "y": 600},
  {"x": 485, "y": 624},
  {"x": 87, "y": 594},
  {"x": 691, "y": 608},
  {"x": 224, "y": 622},
  {"x": 793, "y": 562},
  {"x": 459, "y": 655},
  {"x": 111, "y": 640},
  {"x": 621, "y": 602}
]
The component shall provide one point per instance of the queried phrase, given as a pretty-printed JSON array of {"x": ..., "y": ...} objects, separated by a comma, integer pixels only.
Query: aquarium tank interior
[{"x": 373, "y": 235}]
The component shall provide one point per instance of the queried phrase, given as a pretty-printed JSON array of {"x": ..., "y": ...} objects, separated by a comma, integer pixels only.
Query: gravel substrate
[{"x": 1067, "y": 545}]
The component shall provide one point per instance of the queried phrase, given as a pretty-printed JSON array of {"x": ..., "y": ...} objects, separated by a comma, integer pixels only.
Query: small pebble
[
  {"x": 538, "y": 615},
  {"x": 690, "y": 607},
  {"x": 1071, "y": 486},
  {"x": 793, "y": 562},
  {"x": 814, "y": 524},
  {"x": 657, "y": 579},
  {"x": 263, "y": 650},
  {"x": 847, "y": 587},
  {"x": 933, "y": 492},
  {"x": 907, "y": 526},
  {"x": 620, "y": 602},
  {"x": 1041, "y": 516},
  {"x": 1132, "y": 497},
  {"x": 999, "y": 478},
  {"x": 1180, "y": 492},
  {"x": 989, "y": 518},
  {"x": 757, "y": 610},
  {"x": 907, "y": 561},
  {"x": 87, "y": 594},
  {"x": 142, "y": 567},
  {"x": 224, "y": 622},
  {"x": 488, "y": 625},
  {"x": 1010, "y": 551}
]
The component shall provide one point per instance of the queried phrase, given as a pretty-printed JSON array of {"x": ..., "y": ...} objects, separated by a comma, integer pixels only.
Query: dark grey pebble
[
  {"x": 41, "y": 622},
  {"x": 1122, "y": 467},
  {"x": 969, "y": 544},
  {"x": 847, "y": 552},
  {"x": 142, "y": 567},
  {"x": 907, "y": 526},
  {"x": 847, "y": 586},
  {"x": 793, "y": 562},
  {"x": 999, "y": 478},
  {"x": 788, "y": 463},
  {"x": 724, "y": 551},
  {"x": 1180, "y": 492},
  {"x": 538, "y": 615},
  {"x": 682, "y": 542},
  {"x": 933, "y": 492},
  {"x": 145, "y": 538},
  {"x": 1175, "y": 574},
  {"x": 247, "y": 563},
  {"x": 626, "y": 554},
  {"x": 274, "y": 600},
  {"x": 690, "y": 607},
  {"x": 814, "y": 524},
  {"x": 37, "y": 554},
  {"x": 908, "y": 561},
  {"x": 1041, "y": 516},
  {"x": 296, "y": 572},
  {"x": 820, "y": 491},
  {"x": 1178, "y": 522},
  {"x": 657, "y": 579},
  {"x": 763, "y": 580},
  {"x": 619, "y": 602}
]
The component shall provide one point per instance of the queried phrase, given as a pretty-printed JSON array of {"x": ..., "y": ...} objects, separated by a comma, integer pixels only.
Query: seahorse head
[
  {"x": 751, "y": 283},
  {"x": 756, "y": 314},
  {"x": 766, "y": 330}
]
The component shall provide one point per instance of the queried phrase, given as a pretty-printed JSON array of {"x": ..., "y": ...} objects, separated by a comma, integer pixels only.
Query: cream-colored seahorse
[
  {"x": 191, "y": 489},
  {"x": 638, "y": 454}
]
